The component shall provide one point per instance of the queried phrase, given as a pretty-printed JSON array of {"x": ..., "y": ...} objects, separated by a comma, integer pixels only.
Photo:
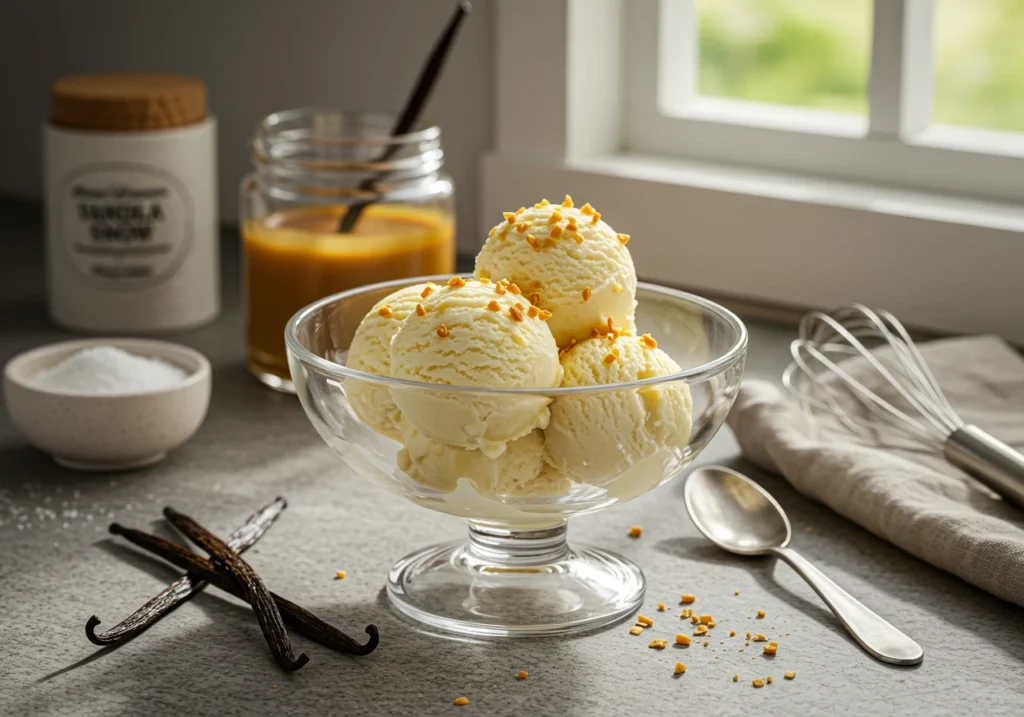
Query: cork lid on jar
[{"x": 127, "y": 102}]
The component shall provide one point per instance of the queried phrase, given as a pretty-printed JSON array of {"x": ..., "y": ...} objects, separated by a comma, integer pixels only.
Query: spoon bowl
[
  {"x": 738, "y": 515},
  {"x": 735, "y": 513}
]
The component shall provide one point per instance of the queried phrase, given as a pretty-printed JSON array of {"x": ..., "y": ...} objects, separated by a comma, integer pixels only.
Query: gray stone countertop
[{"x": 209, "y": 657}]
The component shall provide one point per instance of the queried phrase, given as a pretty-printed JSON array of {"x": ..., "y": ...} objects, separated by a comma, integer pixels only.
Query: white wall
[{"x": 256, "y": 56}]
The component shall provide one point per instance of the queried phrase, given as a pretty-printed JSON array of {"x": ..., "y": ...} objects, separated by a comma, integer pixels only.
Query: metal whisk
[{"x": 817, "y": 377}]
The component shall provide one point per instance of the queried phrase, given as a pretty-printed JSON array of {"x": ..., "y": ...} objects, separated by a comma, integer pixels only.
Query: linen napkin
[{"x": 893, "y": 487}]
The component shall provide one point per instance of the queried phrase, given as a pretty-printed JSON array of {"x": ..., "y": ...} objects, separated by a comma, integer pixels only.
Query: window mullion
[
  {"x": 901, "y": 85},
  {"x": 678, "y": 52}
]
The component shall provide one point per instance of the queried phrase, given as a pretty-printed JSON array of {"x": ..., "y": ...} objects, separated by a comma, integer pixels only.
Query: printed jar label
[{"x": 124, "y": 226}]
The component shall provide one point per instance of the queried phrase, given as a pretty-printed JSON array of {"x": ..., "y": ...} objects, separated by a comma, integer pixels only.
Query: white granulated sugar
[{"x": 108, "y": 370}]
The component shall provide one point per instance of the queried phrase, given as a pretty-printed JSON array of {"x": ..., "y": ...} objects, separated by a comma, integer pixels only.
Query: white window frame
[{"x": 820, "y": 212}]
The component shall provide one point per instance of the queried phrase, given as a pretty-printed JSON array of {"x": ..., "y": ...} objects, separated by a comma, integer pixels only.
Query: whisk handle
[{"x": 988, "y": 459}]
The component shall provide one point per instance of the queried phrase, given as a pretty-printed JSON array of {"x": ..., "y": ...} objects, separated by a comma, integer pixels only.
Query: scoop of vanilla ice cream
[
  {"x": 569, "y": 261},
  {"x": 596, "y": 437},
  {"x": 370, "y": 352},
  {"x": 516, "y": 472},
  {"x": 480, "y": 335}
]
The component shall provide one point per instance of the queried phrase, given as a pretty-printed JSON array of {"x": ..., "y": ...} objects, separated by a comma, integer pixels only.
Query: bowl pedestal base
[{"x": 511, "y": 582}]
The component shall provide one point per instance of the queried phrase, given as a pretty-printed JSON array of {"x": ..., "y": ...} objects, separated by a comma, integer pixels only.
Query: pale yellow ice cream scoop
[
  {"x": 596, "y": 437},
  {"x": 370, "y": 352},
  {"x": 481, "y": 335},
  {"x": 519, "y": 471},
  {"x": 569, "y": 261}
]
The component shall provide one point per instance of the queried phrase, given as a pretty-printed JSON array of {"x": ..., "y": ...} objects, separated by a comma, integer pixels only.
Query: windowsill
[
  {"x": 948, "y": 264},
  {"x": 810, "y": 190}
]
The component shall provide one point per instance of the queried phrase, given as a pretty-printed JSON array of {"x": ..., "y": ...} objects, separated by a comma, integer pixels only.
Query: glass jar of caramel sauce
[{"x": 335, "y": 202}]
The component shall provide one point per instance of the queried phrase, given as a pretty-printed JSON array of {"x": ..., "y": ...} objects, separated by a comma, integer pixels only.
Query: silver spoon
[{"x": 738, "y": 515}]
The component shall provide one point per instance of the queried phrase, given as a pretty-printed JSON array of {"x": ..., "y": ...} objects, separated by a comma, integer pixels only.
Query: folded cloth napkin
[{"x": 899, "y": 490}]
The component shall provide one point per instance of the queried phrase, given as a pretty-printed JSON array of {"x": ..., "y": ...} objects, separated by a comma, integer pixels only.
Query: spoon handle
[{"x": 880, "y": 639}]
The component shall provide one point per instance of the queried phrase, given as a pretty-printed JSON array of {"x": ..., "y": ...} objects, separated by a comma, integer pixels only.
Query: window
[
  {"x": 846, "y": 89},
  {"x": 745, "y": 165}
]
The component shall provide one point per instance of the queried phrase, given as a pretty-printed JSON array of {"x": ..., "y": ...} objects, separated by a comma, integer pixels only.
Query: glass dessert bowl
[{"x": 518, "y": 463}]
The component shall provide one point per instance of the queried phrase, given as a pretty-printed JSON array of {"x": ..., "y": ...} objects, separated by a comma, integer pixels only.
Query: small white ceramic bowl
[{"x": 113, "y": 431}]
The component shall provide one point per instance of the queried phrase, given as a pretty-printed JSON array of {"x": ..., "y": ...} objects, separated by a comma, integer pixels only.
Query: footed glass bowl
[{"x": 517, "y": 575}]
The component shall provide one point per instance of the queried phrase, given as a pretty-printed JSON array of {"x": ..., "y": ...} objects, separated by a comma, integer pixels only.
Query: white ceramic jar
[{"x": 131, "y": 204}]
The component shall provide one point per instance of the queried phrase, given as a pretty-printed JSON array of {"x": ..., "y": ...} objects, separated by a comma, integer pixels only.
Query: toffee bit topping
[
  {"x": 567, "y": 203},
  {"x": 556, "y": 216},
  {"x": 572, "y": 342},
  {"x": 503, "y": 236},
  {"x": 645, "y": 621},
  {"x": 544, "y": 202},
  {"x": 624, "y": 238},
  {"x": 461, "y": 701},
  {"x": 572, "y": 223},
  {"x": 658, "y": 644},
  {"x": 586, "y": 209},
  {"x": 534, "y": 298},
  {"x": 500, "y": 289},
  {"x": 533, "y": 312},
  {"x": 578, "y": 238},
  {"x": 636, "y": 531},
  {"x": 520, "y": 306},
  {"x": 442, "y": 331},
  {"x": 522, "y": 675},
  {"x": 532, "y": 241},
  {"x": 484, "y": 274},
  {"x": 650, "y": 343},
  {"x": 494, "y": 305},
  {"x": 587, "y": 293},
  {"x": 492, "y": 232},
  {"x": 509, "y": 216},
  {"x": 610, "y": 358},
  {"x": 682, "y": 639},
  {"x": 597, "y": 218},
  {"x": 618, "y": 288},
  {"x": 385, "y": 311},
  {"x": 515, "y": 289},
  {"x": 484, "y": 280},
  {"x": 516, "y": 314},
  {"x": 635, "y": 630},
  {"x": 556, "y": 232},
  {"x": 504, "y": 282},
  {"x": 687, "y": 599},
  {"x": 456, "y": 282},
  {"x": 420, "y": 311},
  {"x": 545, "y": 315},
  {"x": 427, "y": 291},
  {"x": 521, "y": 227},
  {"x": 679, "y": 669},
  {"x": 789, "y": 675},
  {"x": 520, "y": 211}
]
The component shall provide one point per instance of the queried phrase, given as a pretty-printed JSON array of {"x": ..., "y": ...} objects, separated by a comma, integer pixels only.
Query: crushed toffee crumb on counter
[
  {"x": 340, "y": 575},
  {"x": 736, "y": 593},
  {"x": 635, "y": 630},
  {"x": 682, "y": 639},
  {"x": 768, "y": 679},
  {"x": 758, "y": 682},
  {"x": 658, "y": 644},
  {"x": 706, "y": 619},
  {"x": 735, "y": 678},
  {"x": 661, "y": 607},
  {"x": 705, "y": 643},
  {"x": 760, "y": 613},
  {"x": 760, "y": 638},
  {"x": 789, "y": 675},
  {"x": 701, "y": 629},
  {"x": 635, "y": 532},
  {"x": 679, "y": 669},
  {"x": 732, "y": 633},
  {"x": 461, "y": 701},
  {"x": 687, "y": 599},
  {"x": 522, "y": 675},
  {"x": 645, "y": 621}
]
